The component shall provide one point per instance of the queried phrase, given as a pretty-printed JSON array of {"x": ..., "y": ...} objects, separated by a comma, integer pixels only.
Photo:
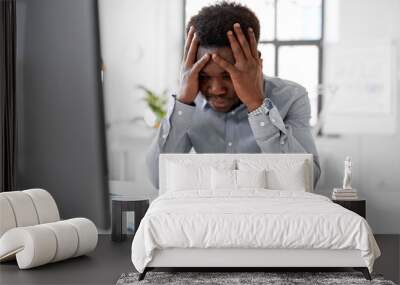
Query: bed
[{"x": 247, "y": 211}]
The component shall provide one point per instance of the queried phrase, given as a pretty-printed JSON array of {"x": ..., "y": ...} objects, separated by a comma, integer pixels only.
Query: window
[{"x": 290, "y": 40}]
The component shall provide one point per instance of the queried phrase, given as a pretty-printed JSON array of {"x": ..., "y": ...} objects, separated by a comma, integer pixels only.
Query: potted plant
[{"x": 156, "y": 104}]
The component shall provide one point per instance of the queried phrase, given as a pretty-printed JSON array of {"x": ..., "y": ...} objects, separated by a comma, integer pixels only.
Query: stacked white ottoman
[{"x": 31, "y": 230}]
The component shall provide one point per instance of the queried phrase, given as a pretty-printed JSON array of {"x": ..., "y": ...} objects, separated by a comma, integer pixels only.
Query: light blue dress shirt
[{"x": 285, "y": 129}]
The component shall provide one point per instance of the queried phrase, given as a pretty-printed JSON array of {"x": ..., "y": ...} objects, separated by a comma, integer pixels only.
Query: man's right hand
[{"x": 189, "y": 79}]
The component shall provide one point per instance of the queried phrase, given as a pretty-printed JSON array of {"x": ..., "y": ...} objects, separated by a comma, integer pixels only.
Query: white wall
[
  {"x": 376, "y": 158},
  {"x": 141, "y": 43}
]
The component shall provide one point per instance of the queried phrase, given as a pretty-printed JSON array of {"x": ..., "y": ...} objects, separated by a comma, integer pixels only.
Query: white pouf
[
  {"x": 41, "y": 244},
  {"x": 31, "y": 232}
]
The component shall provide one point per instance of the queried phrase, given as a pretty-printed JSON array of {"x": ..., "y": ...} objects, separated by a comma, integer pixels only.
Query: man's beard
[{"x": 219, "y": 102}]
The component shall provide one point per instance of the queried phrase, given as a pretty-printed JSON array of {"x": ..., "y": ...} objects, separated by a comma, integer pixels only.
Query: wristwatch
[{"x": 265, "y": 107}]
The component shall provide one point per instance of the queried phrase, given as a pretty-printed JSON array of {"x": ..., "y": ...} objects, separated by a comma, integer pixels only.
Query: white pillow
[
  {"x": 227, "y": 179},
  {"x": 181, "y": 177},
  {"x": 290, "y": 174},
  {"x": 223, "y": 179},
  {"x": 186, "y": 175},
  {"x": 251, "y": 178}
]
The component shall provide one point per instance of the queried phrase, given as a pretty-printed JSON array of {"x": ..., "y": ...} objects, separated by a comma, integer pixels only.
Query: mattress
[{"x": 250, "y": 219}]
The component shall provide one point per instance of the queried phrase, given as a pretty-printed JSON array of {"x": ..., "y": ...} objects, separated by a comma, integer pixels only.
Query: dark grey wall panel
[{"x": 60, "y": 106}]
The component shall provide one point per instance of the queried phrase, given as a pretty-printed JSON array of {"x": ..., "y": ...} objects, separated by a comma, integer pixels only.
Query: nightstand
[
  {"x": 357, "y": 206},
  {"x": 128, "y": 199},
  {"x": 121, "y": 205}
]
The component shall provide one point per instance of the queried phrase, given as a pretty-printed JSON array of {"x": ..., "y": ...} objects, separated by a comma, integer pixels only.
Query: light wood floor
[{"x": 110, "y": 260}]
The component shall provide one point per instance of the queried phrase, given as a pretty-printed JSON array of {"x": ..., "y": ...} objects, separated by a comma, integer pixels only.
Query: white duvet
[{"x": 253, "y": 218}]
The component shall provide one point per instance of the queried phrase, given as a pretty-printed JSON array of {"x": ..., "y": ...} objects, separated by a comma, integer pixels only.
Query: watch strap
[{"x": 264, "y": 108}]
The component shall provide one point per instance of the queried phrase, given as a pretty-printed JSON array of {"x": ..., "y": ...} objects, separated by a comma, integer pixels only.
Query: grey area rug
[{"x": 273, "y": 278}]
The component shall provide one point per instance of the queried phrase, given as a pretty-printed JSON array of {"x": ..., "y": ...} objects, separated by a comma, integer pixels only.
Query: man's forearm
[
  {"x": 173, "y": 131},
  {"x": 171, "y": 137},
  {"x": 274, "y": 136}
]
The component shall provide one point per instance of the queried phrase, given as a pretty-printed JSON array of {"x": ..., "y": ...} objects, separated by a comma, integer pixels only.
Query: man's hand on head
[
  {"x": 246, "y": 73},
  {"x": 189, "y": 82}
]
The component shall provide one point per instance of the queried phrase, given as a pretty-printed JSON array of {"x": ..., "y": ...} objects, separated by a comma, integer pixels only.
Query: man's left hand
[{"x": 246, "y": 73}]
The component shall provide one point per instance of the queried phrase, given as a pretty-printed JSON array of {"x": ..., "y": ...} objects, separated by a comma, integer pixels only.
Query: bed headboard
[{"x": 278, "y": 162}]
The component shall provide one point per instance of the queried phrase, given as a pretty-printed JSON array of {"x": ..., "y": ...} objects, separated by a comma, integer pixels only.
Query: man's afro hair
[{"x": 213, "y": 22}]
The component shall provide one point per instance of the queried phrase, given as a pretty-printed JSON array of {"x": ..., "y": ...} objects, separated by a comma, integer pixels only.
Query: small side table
[
  {"x": 357, "y": 206},
  {"x": 121, "y": 205}
]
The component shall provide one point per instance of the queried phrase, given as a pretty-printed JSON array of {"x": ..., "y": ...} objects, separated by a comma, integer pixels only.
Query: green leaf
[{"x": 156, "y": 103}]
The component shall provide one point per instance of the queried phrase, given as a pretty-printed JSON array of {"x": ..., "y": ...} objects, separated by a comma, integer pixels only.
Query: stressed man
[{"x": 224, "y": 103}]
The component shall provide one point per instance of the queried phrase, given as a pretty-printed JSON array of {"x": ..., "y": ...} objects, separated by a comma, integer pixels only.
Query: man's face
[{"x": 215, "y": 83}]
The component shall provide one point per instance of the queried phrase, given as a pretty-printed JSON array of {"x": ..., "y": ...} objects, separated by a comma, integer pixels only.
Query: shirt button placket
[{"x": 229, "y": 132}]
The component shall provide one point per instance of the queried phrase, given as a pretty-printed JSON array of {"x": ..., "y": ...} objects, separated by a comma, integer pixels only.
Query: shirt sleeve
[
  {"x": 293, "y": 135},
  {"x": 171, "y": 137}
]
